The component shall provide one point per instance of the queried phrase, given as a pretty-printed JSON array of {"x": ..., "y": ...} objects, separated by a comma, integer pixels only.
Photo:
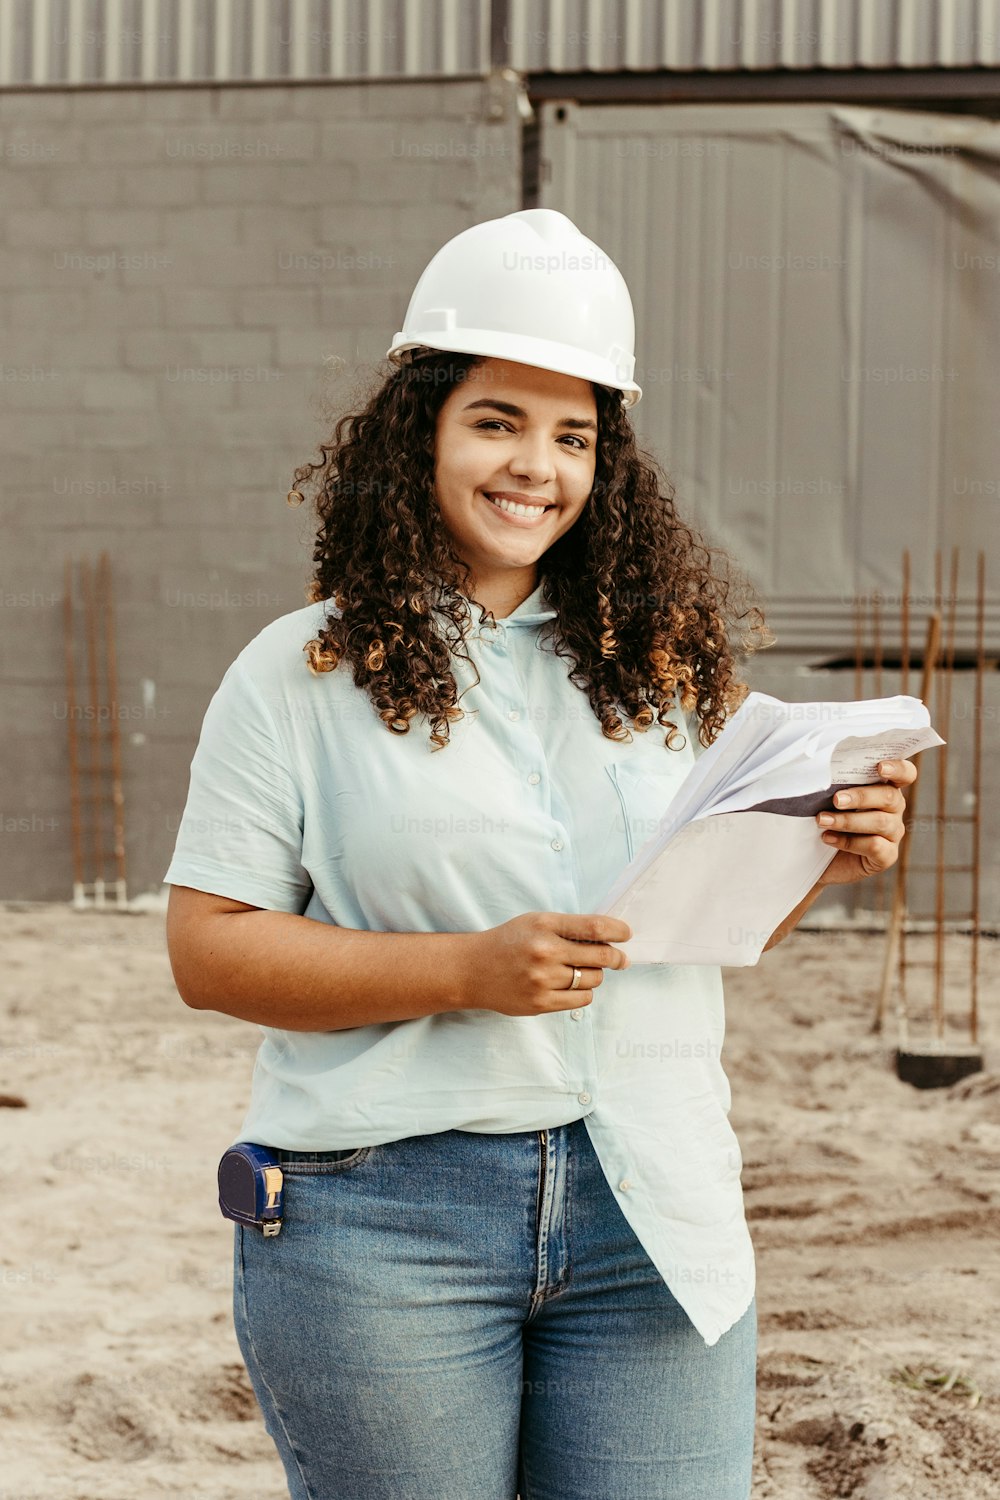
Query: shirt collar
[{"x": 531, "y": 611}]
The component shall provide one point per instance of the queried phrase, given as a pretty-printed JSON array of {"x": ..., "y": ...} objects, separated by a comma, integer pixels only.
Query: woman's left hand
[{"x": 869, "y": 829}]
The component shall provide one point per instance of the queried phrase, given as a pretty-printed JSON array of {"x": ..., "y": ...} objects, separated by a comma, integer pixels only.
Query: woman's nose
[{"x": 532, "y": 456}]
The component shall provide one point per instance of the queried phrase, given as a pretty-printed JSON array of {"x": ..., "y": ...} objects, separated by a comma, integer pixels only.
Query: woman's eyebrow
[{"x": 516, "y": 411}]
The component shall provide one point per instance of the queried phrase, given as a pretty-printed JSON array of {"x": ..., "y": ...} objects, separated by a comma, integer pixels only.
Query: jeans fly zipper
[{"x": 544, "y": 1142}]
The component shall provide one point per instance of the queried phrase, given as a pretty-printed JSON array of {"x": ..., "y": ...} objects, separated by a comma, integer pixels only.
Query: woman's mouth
[{"x": 516, "y": 512}]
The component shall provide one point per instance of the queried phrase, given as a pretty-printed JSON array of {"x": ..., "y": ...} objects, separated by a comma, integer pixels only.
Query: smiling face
[{"x": 528, "y": 434}]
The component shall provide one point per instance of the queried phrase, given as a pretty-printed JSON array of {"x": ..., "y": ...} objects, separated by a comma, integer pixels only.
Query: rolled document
[{"x": 738, "y": 847}]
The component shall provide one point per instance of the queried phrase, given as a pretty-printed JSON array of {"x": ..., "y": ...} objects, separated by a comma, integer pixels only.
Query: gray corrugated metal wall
[
  {"x": 817, "y": 306},
  {"x": 720, "y": 34},
  {"x": 70, "y": 42},
  {"x": 818, "y": 331},
  {"x": 146, "y": 41}
]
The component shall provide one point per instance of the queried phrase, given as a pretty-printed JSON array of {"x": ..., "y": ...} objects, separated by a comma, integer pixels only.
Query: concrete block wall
[{"x": 193, "y": 283}]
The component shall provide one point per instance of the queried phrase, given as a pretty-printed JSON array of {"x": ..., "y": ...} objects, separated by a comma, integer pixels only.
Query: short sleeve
[{"x": 241, "y": 832}]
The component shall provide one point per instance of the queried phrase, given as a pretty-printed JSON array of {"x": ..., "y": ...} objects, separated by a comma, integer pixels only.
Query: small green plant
[{"x": 923, "y": 1378}]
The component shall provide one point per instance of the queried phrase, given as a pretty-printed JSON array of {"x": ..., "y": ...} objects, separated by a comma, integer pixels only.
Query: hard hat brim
[{"x": 522, "y": 349}]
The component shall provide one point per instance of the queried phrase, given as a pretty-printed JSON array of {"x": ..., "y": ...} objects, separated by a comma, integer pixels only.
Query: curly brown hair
[{"x": 644, "y": 608}]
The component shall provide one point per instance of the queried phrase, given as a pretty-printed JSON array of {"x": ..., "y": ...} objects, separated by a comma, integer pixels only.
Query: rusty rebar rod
[
  {"x": 904, "y": 687},
  {"x": 932, "y": 688},
  {"x": 117, "y": 796},
  {"x": 946, "y": 680},
  {"x": 94, "y": 710},
  {"x": 79, "y": 874},
  {"x": 905, "y": 625},
  {"x": 977, "y": 788},
  {"x": 878, "y": 894}
]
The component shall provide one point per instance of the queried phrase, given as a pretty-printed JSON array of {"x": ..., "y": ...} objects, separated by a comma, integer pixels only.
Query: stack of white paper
[{"x": 739, "y": 846}]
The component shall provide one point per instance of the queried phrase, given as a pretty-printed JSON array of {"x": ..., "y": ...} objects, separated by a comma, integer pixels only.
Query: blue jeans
[{"x": 463, "y": 1316}]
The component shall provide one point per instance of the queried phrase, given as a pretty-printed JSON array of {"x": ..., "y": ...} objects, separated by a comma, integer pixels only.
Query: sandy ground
[{"x": 874, "y": 1208}]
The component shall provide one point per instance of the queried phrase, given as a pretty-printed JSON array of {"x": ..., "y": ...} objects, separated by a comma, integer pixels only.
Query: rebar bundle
[
  {"x": 936, "y": 691},
  {"x": 97, "y": 803}
]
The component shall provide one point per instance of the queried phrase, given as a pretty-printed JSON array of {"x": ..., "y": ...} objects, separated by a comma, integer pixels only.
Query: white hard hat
[{"x": 528, "y": 287}]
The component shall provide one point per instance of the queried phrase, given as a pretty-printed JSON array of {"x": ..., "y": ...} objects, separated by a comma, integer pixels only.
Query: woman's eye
[{"x": 496, "y": 422}]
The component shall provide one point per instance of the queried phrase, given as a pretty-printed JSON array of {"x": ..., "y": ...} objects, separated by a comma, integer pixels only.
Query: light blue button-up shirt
[{"x": 301, "y": 800}]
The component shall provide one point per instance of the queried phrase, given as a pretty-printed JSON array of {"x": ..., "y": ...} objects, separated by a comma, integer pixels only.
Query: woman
[{"x": 514, "y": 1255}]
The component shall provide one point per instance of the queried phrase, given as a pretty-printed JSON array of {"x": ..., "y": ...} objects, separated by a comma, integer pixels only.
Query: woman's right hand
[{"x": 524, "y": 967}]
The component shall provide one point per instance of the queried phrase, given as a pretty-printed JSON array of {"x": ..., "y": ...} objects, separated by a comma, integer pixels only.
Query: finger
[
  {"x": 589, "y": 980},
  {"x": 878, "y": 795},
  {"x": 590, "y": 927},
  {"x": 899, "y": 772},
  {"x": 889, "y": 825},
  {"x": 880, "y": 852},
  {"x": 593, "y": 956}
]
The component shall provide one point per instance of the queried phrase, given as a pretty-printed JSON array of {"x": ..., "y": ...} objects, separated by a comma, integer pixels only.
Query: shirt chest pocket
[{"x": 643, "y": 798}]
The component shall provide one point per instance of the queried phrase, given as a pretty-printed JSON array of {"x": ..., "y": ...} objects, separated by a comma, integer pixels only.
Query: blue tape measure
[{"x": 251, "y": 1187}]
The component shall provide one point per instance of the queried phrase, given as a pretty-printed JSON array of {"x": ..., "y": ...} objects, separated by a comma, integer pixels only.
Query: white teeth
[{"x": 517, "y": 510}]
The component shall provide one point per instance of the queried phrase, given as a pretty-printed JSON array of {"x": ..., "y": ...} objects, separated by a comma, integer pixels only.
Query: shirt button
[
  {"x": 584, "y": 1098},
  {"x": 513, "y": 714},
  {"x": 534, "y": 779},
  {"x": 576, "y": 1014},
  {"x": 557, "y": 844},
  {"x": 624, "y": 1185}
]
